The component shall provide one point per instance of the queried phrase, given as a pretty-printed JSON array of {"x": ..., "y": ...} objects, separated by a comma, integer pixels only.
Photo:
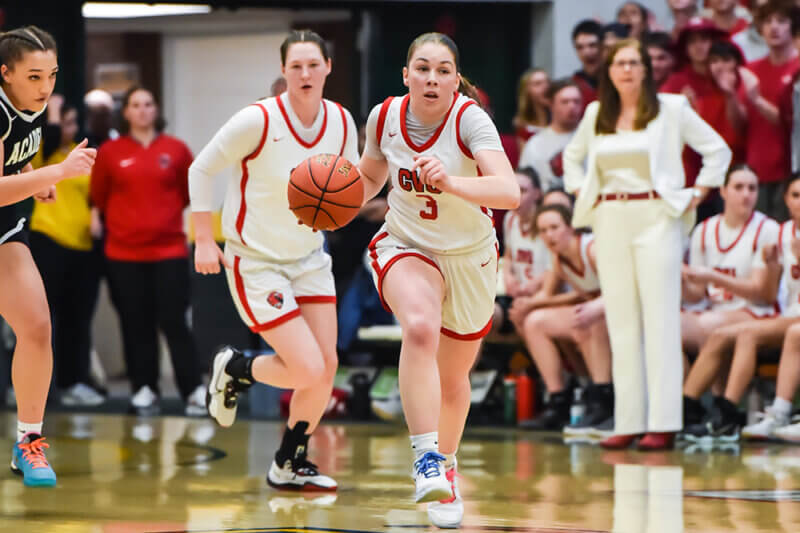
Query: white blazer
[{"x": 675, "y": 125}]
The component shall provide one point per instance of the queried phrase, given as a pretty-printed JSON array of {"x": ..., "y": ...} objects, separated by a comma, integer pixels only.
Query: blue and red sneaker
[{"x": 28, "y": 461}]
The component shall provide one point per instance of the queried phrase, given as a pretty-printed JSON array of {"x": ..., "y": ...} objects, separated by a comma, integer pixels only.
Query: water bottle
[
  {"x": 510, "y": 402},
  {"x": 577, "y": 410}
]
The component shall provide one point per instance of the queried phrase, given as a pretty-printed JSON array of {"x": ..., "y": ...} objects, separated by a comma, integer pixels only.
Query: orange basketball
[{"x": 325, "y": 191}]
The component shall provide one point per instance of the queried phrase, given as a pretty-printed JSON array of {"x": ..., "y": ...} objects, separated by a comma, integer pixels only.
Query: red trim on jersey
[
  {"x": 703, "y": 237},
  {"x": 758, "y": 232},
  {"x": 776, "y": 311},
  {"x": 382, "y": 118},
  {"x": 716, "y": 233},
  {"x": 461, "y": 144},
  {"x": 578, "y": 272},
  {"x": 246, "y": 176},
  {"x": 240, "y": 290},
  {"x": 780, "y": 237},
  {"x": 469, "y": 336},
  {"x": 344, "y": 127},
  {"x": 317, "y": 299},
  {"x": 277, "y": 322},
  {"x": 434, "y": 137},
  {"x": 294, "y": 133}
]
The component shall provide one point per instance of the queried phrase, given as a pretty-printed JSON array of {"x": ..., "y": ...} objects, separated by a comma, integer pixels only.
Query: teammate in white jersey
[
  {"x": 743, "y": 265},
  {"x": 576, "y": 316},
  {"x": 279, "y": 276},
  {"x": 726, "y": 263},
  {"x": 435, "y": 259},
  {"x": 526, "y": 257}
]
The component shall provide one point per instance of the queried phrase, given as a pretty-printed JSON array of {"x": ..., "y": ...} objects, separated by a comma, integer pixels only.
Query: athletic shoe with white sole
[
  {"x": 196, "y": 402},
  {"x": 299, "y": 474},
  {"x": 430, "y": 481},
  {"x": 447, "y": 514},
  {"x": 223, "y": 388},
  {"x": 765, "y": 428}
]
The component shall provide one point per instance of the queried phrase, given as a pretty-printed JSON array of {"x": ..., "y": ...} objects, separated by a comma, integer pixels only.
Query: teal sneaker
[{"x": 28, "y": 461}]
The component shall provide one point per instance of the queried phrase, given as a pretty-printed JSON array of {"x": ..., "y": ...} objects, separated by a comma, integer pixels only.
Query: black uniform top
[{"x": 21, "y": 132}]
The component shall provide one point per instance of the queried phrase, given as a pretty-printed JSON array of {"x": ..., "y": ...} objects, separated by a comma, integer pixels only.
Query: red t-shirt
[
  {"x": 142, "y": 192},
  {"x": 709, "y": 101},
  {"x": 768, "y": 150},
  {"x": 588, "y": 91}
]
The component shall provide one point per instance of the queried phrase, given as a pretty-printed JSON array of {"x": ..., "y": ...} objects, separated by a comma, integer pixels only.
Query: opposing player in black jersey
[{"x": 28, "y": 67}]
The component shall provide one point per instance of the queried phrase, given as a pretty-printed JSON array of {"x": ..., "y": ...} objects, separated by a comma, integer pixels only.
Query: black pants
[
  {"x": 71, "y": 279},
  {"x": 150, "y": 296}
]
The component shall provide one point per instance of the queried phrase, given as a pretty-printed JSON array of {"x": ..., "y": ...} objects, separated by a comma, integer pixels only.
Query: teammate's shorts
[
  {"x": 470, "y": 281},
  {"x": 13, "y": 225},
  {"x": 267, "y": 294}
]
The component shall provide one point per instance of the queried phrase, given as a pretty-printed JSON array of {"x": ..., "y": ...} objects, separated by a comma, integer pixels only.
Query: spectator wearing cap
[
  {"x": 587, "y": 38},
  {"x": 694, "y": 80},
  {"x": 662, "y": 56},
  {"x": 543, "y": 151},
  {"x": 750, "y": 40},
  {"x": 768, "y": 150},
  {"x": 727, "y": 15}
]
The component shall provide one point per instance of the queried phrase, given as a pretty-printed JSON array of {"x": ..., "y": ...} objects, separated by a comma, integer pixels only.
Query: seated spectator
[
  {"x": 780, "y": 332},
  {"x": 543, "y": 151},
  {"x": 727, "y": 15},
  {"x": 636, "y": 17},
  {"x": 587, "y": 38},
  {"x": 767, "y": 136},
  {"x": 662, "y": 56},
  {"x": 612, "y": 34},
  {"x": 576, "y": 317},
  {"x": 525, "y": 258},
  {"x": 682, "y": 11},
  {"x": 729, "y": 261},
  {"x": 62, "y": 246},
  {"x": 750, "y": 39},
  {"x": 533, "y": 107}
]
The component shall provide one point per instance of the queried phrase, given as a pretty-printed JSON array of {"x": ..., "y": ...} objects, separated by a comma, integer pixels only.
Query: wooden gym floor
[{"x": 119, "y": 474}]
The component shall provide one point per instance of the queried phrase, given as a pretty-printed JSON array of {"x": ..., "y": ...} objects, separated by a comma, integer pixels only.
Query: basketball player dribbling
[
  {"x": 28, "y": 67},
  {"x": 278, "y": 273},
  {"x": 434, "y": 143}
]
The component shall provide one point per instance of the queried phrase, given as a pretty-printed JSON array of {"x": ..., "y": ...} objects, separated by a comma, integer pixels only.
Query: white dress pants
[{"x": 639, "y": 253}]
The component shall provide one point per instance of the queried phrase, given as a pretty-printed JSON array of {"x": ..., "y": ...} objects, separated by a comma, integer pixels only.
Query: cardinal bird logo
[{"x": 275, "y": 299}]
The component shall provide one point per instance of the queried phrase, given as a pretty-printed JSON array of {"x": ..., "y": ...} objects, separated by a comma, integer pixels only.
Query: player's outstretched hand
[
  {"x": 79, "y": 161},
  {"x": 207, "y": 257}
]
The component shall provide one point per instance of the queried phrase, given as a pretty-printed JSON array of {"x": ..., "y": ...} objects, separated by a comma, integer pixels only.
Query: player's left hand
[
  {"x": 432, "y": 172},
  {"x": 46, "y": 196},
  {"x": 698, "y": 274},
  {"x": 588, "y": 313}
]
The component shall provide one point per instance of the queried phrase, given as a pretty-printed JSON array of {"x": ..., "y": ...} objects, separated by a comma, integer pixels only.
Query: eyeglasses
[{"x": 622, "y": 64}]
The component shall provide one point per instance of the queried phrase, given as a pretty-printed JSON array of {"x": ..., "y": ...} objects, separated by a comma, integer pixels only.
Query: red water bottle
[{"x": 525, "y": 399}]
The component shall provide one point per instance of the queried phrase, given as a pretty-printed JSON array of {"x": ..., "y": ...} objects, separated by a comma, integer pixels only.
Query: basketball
[{"x": 325, "y": 191}]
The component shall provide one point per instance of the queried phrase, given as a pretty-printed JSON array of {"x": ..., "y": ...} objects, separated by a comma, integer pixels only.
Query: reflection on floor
[{"x": 122, "y": 474}]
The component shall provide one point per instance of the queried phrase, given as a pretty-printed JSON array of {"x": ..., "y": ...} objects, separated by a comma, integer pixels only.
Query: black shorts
[
  {"x": 14, "y": 224},
  {"x": 506, "y": 326}
]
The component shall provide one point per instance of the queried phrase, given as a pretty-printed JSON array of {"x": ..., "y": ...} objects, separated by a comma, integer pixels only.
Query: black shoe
[
  {"x": 724, "y": 425},
  {"x": 596, "y": 415},
  {"x": 553, "y": 417},
  {"x": 693, "y": 412}
]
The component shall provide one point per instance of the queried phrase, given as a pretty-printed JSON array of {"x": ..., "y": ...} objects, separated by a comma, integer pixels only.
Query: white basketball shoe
[
  {"x": 448, "y": 513},
  {"x": 430, "y": 481}
]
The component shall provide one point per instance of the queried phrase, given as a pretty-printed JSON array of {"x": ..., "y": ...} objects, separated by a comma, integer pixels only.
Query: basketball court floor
[{"x": 119, "y": 474}]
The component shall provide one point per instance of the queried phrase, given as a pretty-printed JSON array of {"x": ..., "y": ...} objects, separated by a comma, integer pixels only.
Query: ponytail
[
  {"x": 16, "y": 43},
  {"x": 466, "y": 88}
]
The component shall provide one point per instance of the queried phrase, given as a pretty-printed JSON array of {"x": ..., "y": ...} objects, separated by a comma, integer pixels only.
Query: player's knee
[
  {"x": 309, "y": 369},
  {"x": 420, "y": 330},
  {"x": 534, "y": 321},
  {"x": 34, "y": 329},
  {"x": 792, "y": 335},
  {"x": 455, "y": 388}
]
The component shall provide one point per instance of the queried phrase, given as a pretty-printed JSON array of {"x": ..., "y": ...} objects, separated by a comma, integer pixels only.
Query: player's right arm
[
  {"x": 18, "y": 187},
  {"x": 373, "y": 166},
  {"x": 691, "y": 291},
  {"x": 237, "y": 139}
]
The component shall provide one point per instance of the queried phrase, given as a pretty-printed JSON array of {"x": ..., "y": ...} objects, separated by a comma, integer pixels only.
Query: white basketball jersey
[
  {"x": 736, "y": 253},
  {"x": 419, "y": 214},
  {"x": 582, "y": 277},
  {"x": 791, "y": 269},
  {"x": 529, "y": 255},
  {"x": 256, "y": 215}
]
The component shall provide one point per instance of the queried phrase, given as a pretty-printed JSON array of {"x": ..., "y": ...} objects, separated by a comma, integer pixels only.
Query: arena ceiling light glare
[{"x": 113, "y": 10}]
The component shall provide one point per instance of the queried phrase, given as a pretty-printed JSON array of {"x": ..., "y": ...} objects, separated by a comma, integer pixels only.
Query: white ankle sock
[
  {"x": 426, "y": 442},
  {"x": 23, "y": 429},
  {"x": 449, "y": 460},
  {"x": 782, "y": 406}
]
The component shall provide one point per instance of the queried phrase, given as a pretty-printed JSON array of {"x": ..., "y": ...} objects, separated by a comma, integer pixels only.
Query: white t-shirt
[
  {"x": 264, "y": 142},
  {"x": 543, "y": 153},
  {"x": 790, "y": 282}
]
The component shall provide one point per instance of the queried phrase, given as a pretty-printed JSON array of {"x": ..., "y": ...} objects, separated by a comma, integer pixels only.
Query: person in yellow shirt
[{"x": 62, "y": 245}]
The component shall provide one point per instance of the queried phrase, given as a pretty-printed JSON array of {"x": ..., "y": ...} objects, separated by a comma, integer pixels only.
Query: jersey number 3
[{"x": 432, "y": 209}]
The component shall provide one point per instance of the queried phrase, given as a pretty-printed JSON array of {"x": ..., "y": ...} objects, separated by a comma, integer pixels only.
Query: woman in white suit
[{"x": 632, "y": 192}]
